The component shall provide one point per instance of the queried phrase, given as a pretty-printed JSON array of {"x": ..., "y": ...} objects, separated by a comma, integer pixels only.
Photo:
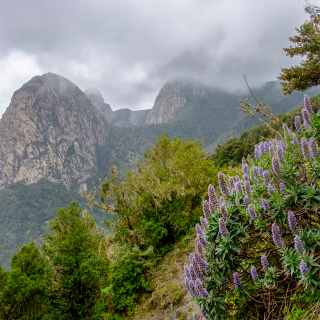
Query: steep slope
[
  {"x": 128, "y": 118},
  {"x": 97, "y": 100},
  {"x": 172, "y": 97},
  {"x": 50, "y": 130}
]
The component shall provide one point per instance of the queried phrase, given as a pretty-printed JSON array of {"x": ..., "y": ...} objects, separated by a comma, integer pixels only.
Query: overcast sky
[{"x": 129, "y": 48}]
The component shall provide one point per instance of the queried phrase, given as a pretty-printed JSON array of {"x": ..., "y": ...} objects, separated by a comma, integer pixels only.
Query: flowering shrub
[{"x": 258, "y": 245}]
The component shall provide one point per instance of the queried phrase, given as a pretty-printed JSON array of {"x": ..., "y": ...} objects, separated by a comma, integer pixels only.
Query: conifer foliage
[{"x": 260, "y": 243}]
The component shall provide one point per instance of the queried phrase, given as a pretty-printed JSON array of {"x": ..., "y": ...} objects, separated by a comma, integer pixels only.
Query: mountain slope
[{"x": 50, "y": 130}]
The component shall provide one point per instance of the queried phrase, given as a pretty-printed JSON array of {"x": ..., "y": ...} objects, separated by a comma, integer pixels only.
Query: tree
[
  {"x": 24, "y": 288},
  {"x": 75, "y": 250},
  {"x": 306, "y": 43}
]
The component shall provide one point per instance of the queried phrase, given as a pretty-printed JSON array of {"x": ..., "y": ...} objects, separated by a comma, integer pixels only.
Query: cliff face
[
  {"x": 172, "y": 97},
  {"x": 97, "y": 100},
  {"x": 129, "y": 118},
  {"x": 50, "y": 130}
]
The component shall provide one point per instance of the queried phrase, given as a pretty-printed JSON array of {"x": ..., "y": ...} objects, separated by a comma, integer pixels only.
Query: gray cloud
[{"x": 129, "y": 48}]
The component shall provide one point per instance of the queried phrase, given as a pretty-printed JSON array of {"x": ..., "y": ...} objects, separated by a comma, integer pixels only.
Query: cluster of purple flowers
[
  {"x": 281, "y": 186},
  {"x": 223, "y": 228},
  {"x": 313, "y": 147},
  {"x": 252, "y": 212},
  {"x": 305, "y": 148},
  {"x": 223, "y": 184},
  {"x": 236, "y": 280},
  {"x": 238, "y": 187},
  {"x": 280, "y": 152},
  {"x": 297, "y": 122},
  {"x": 247, "y": 187},
  {"x": 276, "y": 235},
  {"x": 206, "y": 209},
  {"x": 213, "y": 199},
  {"x": 292, "y": 222},
  {"x": 254, "y": 273},
  {"x": 224, "y": 211},
  {"x": 246, "y": 200},
  {"x": 286, "y": 131},
  {"x": 298, "y": 244},
  {"x": 265, "y": 204},
  {"x": 307, "y": 104},
  {"x": 304, "y": 268},
  {"x": 276, "y": 166},
  {"x": 306, "y": 117},
  {"x": 266, "y": 178},
  {"x": 264, "y": 262}
]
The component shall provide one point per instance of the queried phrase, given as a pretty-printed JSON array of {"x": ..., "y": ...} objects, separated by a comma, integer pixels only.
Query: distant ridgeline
[{"x": 55, "y": 140}]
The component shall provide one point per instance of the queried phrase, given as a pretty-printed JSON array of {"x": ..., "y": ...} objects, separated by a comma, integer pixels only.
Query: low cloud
[{"x": 129, "y": 48}]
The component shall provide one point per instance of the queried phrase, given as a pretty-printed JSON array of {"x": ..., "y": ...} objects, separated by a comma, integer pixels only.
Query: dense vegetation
[{"x": 258, "y": 244}]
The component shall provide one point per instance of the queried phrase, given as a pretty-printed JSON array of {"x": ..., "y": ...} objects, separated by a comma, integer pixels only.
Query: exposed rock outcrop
[
  {"x": 172, "y": 97},
  {"x": 50, "y": 130},
  {"x": 129, "y": 118},
  {"x": 97, "y": 100}
]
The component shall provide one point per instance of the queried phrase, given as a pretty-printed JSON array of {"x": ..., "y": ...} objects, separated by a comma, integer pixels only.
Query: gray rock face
[
  {"x": 50, "y": 130},
  {"x": 129, "y": 118},
  {"x": 97, "y": 100},
  {"x": 172, "y": 97}
]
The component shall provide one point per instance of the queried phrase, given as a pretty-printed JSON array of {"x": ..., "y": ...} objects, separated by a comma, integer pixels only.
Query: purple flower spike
[
  {"x": 238, "y": 178},
  {"x": 201, "y": 263},
  {"x": 186, "y": 283},
  {"x": 193, "y": 289},
  {"x": 222, "y": 200},
  {"x": 256, "y": 180},
  {"x": 265, "y": 204},
  {"x": 255, "y": 171},
  {"x": 271, "y": 150},
  {"x": 260, "y": 171},
  {"x": 247, "y": 188},
  {"x": 231, "y": 183},
  {"x": 305, "y": 148},
  {"x": 213, "y": 199},
  {"x": 254, "y": 273},
  {"x": 295, "y": 140},
  {"x": 304, "y": 268},
  {"x": 199, "y": 248},
  {"x": 197, "y": 268},
  {"x": 245, "y": 168},
  {"x": 223, "y": 228},
  {"x": 204, "y": 223},
  {"x": 286, "y": 130},
  {"x": 276, "y": 166},
  {"x": 264, "y": 262},
  {"x": 203, "y": 292},
  {"x": 306, "y": 117},
  {"x": 307, "y": 104},
  {"x": 313, "y": 147},
  {"x": 236, "y": 280},
  {"x": 297, "y": 122},
  {"x": 292, "y": 222},
  {"x": 223, "y": 184},
  {"x": 224, "y": 211},
  {"x": 261, "y": 149},
  {"x": 238, "y": 187},
  {"x": 252, "y": 212},
  {"x": 266, "y": 177},
  {"x": 192, "y": 272},
  {"x": 206, "y": 210},
  {"x": 271, "y": 189},
  {"x": 236, "y": 200},
  {"x": 298, "y": 244},
  {"x": 276, "y": 235},
  {"x": 202, "y": 240},
  {"x": 280, "y": 152},
  {"x": 198, "y": 229},
  {"x": 245, "y": 177},
  {"x": 246, "y": 200},
  {"x": 282, "y": 186}
]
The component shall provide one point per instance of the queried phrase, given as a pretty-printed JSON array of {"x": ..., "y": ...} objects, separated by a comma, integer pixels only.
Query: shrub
[{"x": 258, "y": 245}]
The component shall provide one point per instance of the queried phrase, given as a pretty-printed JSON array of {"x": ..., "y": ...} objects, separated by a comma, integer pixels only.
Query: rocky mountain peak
[
  {"x": 172, "y": 97},
  {"x": 50, "y": 130},
  {"x": 97, "y": 100}
]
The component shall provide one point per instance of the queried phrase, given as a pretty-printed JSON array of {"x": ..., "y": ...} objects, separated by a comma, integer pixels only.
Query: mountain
[
  {"x": 128, "y": 118},
  {"x": 172, "y": 97},
  {"x": 50, "y": 130},
  {"x": 97, "y": 100}
]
